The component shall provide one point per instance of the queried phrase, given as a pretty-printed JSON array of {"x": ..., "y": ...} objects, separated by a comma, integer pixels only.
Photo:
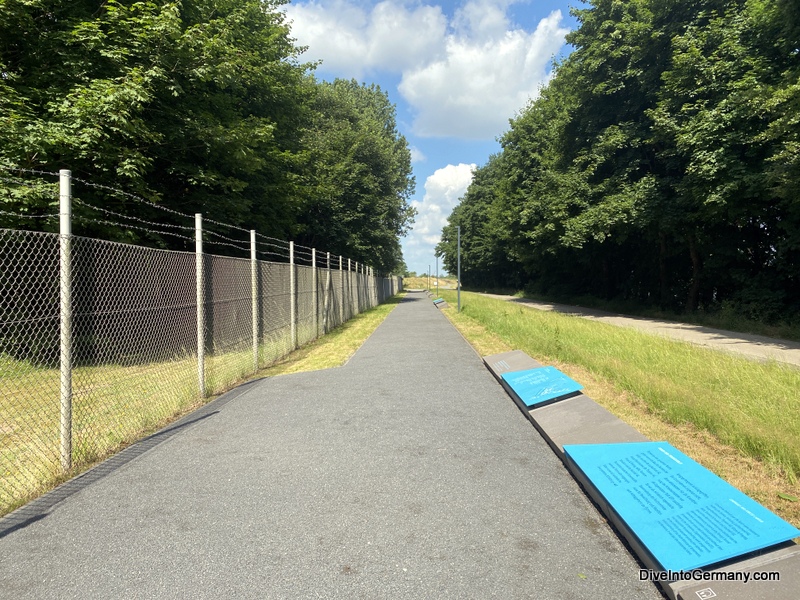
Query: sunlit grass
[{"x": 335, "y": 348}]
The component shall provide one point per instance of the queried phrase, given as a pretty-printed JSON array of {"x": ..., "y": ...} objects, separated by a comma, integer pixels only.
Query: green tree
[
  {"x": 195, "y": 104},
  {"x": 659, "y": 164},
  {"x": 358, "y": 176},
  {"x": 199, "y": 106}
]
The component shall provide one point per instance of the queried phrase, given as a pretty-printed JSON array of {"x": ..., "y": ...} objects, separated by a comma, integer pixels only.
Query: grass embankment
[
  {"x": 114, "y": 406},
  {"x": 740, "y": 419}
]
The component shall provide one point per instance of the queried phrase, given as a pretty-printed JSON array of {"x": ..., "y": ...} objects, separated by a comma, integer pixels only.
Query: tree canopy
[
  {"x": 659, "y": 165},
  {"x": 202, "y": 106}
]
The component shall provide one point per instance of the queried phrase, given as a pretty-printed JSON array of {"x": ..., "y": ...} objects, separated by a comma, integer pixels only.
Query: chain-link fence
[{"x": 101, "y": 342}]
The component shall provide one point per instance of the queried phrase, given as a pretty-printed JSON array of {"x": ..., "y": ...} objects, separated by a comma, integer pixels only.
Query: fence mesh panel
[
  {"x": 229, "y": 321},
  {"x": 335, "y": 308},
  {"x": 134, "y": 342},
  {"x": 29, "y": 356},
  {"x": 133, "y": 326},
  {"x": 306, "y": 305},
  {"x": 274, "y": 310}
]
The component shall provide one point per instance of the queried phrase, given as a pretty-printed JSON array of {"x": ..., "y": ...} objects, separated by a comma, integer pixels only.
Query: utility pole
[
  {"x": 458, "y": 228},
  {"x": 437, "y": 275}
]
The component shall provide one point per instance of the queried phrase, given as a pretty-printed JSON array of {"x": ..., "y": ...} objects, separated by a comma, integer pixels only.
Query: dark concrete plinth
[
  {"x": 507, "y": 362},
  {"x": 784, "y": 561},
  {"x": 580, "y": 420}
]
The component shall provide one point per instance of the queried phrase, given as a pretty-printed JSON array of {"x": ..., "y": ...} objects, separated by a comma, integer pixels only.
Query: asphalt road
[
  {"x": 407, "y": 473},
  {"x": 753, "y": 347}
]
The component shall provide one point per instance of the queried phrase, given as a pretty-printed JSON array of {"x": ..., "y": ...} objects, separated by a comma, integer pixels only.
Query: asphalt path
[
  {"x": 407, "y": 473},
  {"x": 751, "y": 346}
]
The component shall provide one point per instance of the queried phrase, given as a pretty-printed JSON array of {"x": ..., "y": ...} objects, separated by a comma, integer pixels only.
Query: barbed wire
[
  {"x": 222, "y": 237},
  {"x": 23, "y": 183},
  {"x": 266, "y": 237},
  {"x": 304, "y": 253},
  {"x": 268, "y": 244},
  {"x": 128, "y": 226},
  {"x": 22, "y": 216},
  {"x": 207, "y": 220},
  {"x": 216, "y": 243},
  {"x": 267, "y": 252},
  {"x": 133, "y": 197},
  {"x": 32, "y": 171},
  {"x": 131, "y": 217}
]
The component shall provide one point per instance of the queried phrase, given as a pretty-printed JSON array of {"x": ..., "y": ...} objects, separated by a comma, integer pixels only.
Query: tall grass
[{"x": 754, "y": 407}]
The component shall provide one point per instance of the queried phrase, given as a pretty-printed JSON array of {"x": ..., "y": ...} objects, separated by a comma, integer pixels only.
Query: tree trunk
[
  {"x": 607, "y": 285},
  {"x": 697, "y": 268},
  {"x": 662, "y": 269}
]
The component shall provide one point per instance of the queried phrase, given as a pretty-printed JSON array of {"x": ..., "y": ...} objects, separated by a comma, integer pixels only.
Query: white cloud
[
  {"x": 481, "y": 83},
  {"x": 352, "y": 41},
  {"x": 482, "y": 19},
  {"x": 443, "y": 190},
  {"x": 465, "y": 80},
  {"x": 417, "y": 155}
]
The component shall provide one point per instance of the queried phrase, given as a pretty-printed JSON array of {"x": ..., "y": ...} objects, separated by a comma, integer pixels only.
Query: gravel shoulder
[{"x": 754, "y": 347}]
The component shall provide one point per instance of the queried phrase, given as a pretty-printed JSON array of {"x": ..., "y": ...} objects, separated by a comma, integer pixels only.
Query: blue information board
[
  {"x": 686, "y": 516},
  {"x": 535, "y": 386}
]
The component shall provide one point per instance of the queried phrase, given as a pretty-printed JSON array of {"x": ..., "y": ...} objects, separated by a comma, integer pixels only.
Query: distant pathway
[
  {"x": 406, "y": 474},
  {"x": 754, "y": 347}
]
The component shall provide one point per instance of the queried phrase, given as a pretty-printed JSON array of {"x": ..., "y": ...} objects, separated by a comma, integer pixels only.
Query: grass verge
[
  {"x": 335, "y": 348},
  {"x": 114, "y": 406},
  {"x": 740, "y": 419}
]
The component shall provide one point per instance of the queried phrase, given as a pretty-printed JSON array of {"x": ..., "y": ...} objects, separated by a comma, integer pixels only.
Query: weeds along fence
[{"x": 102, "y": 341}]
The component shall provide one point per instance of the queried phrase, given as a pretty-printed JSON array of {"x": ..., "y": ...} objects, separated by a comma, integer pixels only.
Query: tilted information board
[
  {"x": 684, "y": 515},
  {"x": 536, "y": 386}
]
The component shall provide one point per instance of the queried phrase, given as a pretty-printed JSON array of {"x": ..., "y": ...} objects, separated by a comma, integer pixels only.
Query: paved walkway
[
  {"x": 754, "y": 347},
  {"x": 407, "y": 473}
]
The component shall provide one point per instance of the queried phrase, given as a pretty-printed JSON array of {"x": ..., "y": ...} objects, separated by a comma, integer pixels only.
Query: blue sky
[{"x": 457, "y": 72}]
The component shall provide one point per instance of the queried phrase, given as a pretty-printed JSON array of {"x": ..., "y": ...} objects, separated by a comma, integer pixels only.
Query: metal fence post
[
  {"x": 314, "y": 294},
  {"x": 371, "y": 280},
  {"x": 358, "y": 290},
  {"x": 326, "y": 299},
  {"x": 201, "y": 313},
  {"x": 292, "y": 298},
  {"x": 437, "y": 275},
  {"x": 341, "y": 280},
  {"x": 254, "y": 293},
  {"x": 349, "y": 291},
  {"x": 65, "y": 268}
]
